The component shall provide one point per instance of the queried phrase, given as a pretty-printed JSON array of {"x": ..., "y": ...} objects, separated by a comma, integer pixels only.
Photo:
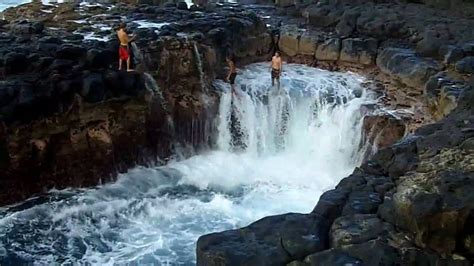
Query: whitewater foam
[{"x": 293, "y": 145}]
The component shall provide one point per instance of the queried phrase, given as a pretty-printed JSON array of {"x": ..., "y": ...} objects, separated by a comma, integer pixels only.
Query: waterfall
[
  {"x": 137, "y": 54},
  {"x": 198, "y": 59},
  {"x": 151, "y": 85},
  {"x": 276, "y": 153},
  {"x": 317, "y": 111}
]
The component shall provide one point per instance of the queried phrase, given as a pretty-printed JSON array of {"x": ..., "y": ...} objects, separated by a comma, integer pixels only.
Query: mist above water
[{"x": 285, "y": 149}]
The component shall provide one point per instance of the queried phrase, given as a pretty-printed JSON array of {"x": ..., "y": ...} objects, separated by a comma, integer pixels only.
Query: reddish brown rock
[{"x": 381, "y": 131}]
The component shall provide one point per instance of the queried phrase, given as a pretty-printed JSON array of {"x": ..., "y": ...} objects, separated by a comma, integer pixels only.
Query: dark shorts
[
  {"x": 275, "y": 73},
  {"x": 232, "y": 78}
]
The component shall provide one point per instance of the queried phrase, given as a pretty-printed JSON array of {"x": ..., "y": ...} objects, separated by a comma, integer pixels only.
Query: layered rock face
[
  {"x": 401, "y": 45},
  {"x": 409, "y": 203},
  {"x": 70, "y": 119}
]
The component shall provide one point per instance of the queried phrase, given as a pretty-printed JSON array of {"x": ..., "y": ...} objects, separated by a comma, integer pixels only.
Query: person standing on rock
[
  {"x": 276, "y": 69},
  {"x": 124, "y": 50},
  {"x": 232, "y": 73}
]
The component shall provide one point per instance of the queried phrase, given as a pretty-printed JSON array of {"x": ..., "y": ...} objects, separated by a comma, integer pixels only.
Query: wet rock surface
[
  {"x": 408, "y": 204},
  {"x": 274, "y": 240},
  {"x": 69, "y": 118}
]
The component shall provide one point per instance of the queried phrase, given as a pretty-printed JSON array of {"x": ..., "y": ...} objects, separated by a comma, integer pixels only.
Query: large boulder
[
  {"x": 294, "y": 41},
  {"x": 436, "y": 201},
  {"x": 93, "y": 89},
  {"x": 442, "y": 93},
  {"x": 362, "y": 202},
  {"x": 360, "y": 51},
  {"x": 468, "y": 48},
  {"x": 380, "y": 22},
  {"x": 289, "y": 41},
  {"x": 450, "y": 54},
  {"x": 274, "y": 240},
  {"x": 348, "y": 23},
  {"x": 329, "y": 50},
  {"x": 356, "y": 229},
  {"x": 330, "y": 204},
  {"x": 25, "y": 27},
  {"x": 99, "y": 59},
  {"x": 382, "y": 130},
  {"x": 15, "y": 63},
  {"x": 466, "y": 65},
  {"x": 322, "y": 15},
  {"x": 405, "y": 65},
  {"x": 374, "y": 252},
  {"x": 307, "y": 44},
  {"x": 432, "y": 40},
  {"x": 70, "y": 52},
  {"x": 333, "y": 257}
]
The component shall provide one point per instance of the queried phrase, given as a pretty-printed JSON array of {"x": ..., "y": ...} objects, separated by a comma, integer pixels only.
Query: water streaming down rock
[
  {"x": 152, "y": 86},
  {"x": 137, "y": 55},
  {"x": 297, "y": 144},
  {"x": 199, "y": 67}
]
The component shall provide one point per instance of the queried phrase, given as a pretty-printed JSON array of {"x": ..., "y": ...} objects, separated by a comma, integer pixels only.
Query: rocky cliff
[
  {"x": 409, "y": 204},
  {"x": 70, "y": 119}
]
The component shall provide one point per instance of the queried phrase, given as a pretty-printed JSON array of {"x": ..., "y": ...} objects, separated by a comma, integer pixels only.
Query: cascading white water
[
  {"x": 197, "y": 56},
  {"x": 294, "y": 145}
]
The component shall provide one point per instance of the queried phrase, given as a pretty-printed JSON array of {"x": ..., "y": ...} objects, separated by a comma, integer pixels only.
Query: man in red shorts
[{"x": 124, "y": 51}]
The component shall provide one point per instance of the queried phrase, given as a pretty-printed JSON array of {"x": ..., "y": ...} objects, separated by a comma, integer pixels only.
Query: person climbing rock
[
  {"x": 232, "y": 73},
  {"x": 124, "y": 49},
  {"x": 276, "y": 68}
]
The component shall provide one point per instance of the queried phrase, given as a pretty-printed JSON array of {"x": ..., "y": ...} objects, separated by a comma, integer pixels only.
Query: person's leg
[
  {"x": 120, "y": 64},
  {"x": 128, "y": 64},
  {"x": 273, "y": 79},
  {"x": 278, "y": 83},
  {"x": 232, "y": 87}
]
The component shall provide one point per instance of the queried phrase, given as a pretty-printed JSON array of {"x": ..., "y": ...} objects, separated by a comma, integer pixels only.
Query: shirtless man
[
  {"x": 124, "y": 51},
  {"x": 232, "y": 73},
  {"x": 276, "y": 69}
]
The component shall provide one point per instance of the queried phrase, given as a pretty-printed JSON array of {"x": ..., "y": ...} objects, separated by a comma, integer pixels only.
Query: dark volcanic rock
[
  {"x": 103, "y": 121},
  {"x": 361, "y": 51},
  {"x": 329, "y": 50},
  {"x": 382, "y": 130},
  {"x": 442, "y": 94},
  {"x": 93, "y": 88},
  {"x": 15, "y": 63},
  {"x": 466, "y": 65},
  {"x": 274, "y": 240},
  {"x": 70, "y": 52},
  {"x": 330, "y": 204},
  {"x": 409, "y": 203},
  {"x": 451, "y": 54},
  {"x": 335, "y": 257},
  {"x": 356, "y": 229},
  {"x": 362, "y": 202},
  {"x": 407, "y": 66}
]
